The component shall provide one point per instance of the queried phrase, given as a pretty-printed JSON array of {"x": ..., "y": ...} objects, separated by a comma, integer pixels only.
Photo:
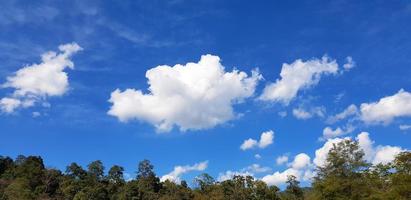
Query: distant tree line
[{"x": 346, "y": 175}]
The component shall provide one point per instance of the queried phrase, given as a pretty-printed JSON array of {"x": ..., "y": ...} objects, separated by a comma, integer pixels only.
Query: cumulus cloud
[
  {"x": 175, "y": 175},
  {"x": 386, "y": 154},
  {"x": 279, "y": 178},
  {"x": 281, "y": 160},
  {"x": 328, "y": 132},
  {"x": 36, "y": 82},
  {"x": 301, "y": 160},
  {"x": 301, "y": 168},
  {"x": 249, "y": 144},
  {"x": 257, "y": 156},
  {"x": 266, "y": 139},
  {"x": 387, "y": 108},
  {"x": 373, "y": 154},
  {"x": 191, "y": 96},
  {"x": 301, "y": 113},
  {"x": 351, "y": 110},
  {"x": 379, "y": 154},
  {"x": 297, "y": 76}
]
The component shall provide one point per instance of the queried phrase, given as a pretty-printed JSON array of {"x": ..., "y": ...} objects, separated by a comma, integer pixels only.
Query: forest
[{"x": 346, "y": 175}]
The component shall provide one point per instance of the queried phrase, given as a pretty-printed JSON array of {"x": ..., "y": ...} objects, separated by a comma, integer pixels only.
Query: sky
[{"x": 235, "y": 87}]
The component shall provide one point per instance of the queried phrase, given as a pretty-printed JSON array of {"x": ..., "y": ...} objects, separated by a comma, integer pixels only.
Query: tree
[
  {"x": 343, "y": 175},
  {"x": 115, "y": 174},
  {"x": 147, "y": 181},
  {"x": 204, "y": 181},
  {"x": 19, "y": 189},
  {"x": 6, "y": 163},
  {"x": 32, "y": 169},
  {"x": 145, "y": 169},
  {"x": 293, "y": 190},
  {"x": 76, "y": 171},
  {"x": 401, "y": 180},
  {"x": 96, "y": 169}
]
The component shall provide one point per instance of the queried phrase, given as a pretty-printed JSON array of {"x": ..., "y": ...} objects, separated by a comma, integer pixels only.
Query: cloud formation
[
  {"x": 328, "y": 132},
  {"x": 298, "y": 76},
  {"x": 301, "y": 168},
  {"x": 303, "y": 114},
  {"x": 266, "y": 139},
  {"x": 191, "y": 96},
  {"x": 387, "y": 108},
  {"x": 379, "y": 154},
  {"x": 374, "y": 154},
  {"x": 175, "y": 175},
  {"x": 349, "y": 64},
  {"x": 351, "y": 110},
  {"x": 37, "y": 82},
  {"x": 281, "y": 160}
]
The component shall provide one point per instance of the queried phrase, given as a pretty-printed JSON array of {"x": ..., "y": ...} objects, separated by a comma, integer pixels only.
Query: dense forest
[{"x": 346, "y": 175}]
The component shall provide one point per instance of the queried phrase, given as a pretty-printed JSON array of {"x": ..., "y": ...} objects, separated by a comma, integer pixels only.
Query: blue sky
[{"x": 113, "y": 44}]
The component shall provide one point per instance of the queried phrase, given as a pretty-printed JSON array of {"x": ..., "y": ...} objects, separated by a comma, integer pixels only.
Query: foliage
[{"x": 346, "y": 175}]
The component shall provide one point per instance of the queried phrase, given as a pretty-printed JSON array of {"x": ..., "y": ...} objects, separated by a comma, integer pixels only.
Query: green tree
[
  {"x": 96, "y": 169},
  {"x": 401, "y": 180},
  {"x": 293, "y": 190},
  {"x": 147, "y": 181},
  {"x": 342, "y": 176},
  {"x": 19, "y": 189}
]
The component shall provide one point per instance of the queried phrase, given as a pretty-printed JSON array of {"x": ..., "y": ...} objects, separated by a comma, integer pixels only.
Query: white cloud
[
  {"x": 191, "y": 96},
  {"x": 351, "y": 110},
  {"x": 256, "y": 168},
  {"x": 8, "y": 105},
  {"x": 175, "y": 175},
  {"x": 350, "y": 64},
  {"x": 366, "y": 145},
  {"x": 281, "y": 160},
  {"x": 328, "y": 132},
  {"x": 372, "y": 154},
  {"x": 279, "y": 178},
  {"x": 379, "y": 154},
  {"x": 257, "y": 156},
  {"x": 404, "y": 127},
  {"x": 301, "y": 160},
  {"x": 266, "y": 139},
  {"x": 297, "y": 76},
  {"x": 387, "y": 108},
  {"x": 301, "y": 113},
  {"x": 386, "y": 154},
  {"x": 36, "y": 82},
  {"x": 301, "y": 168},
  {"x": 249, "y": 144}
]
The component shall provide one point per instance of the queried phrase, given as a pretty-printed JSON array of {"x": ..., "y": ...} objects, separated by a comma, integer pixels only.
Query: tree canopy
[{"x": 345, "y": 175}]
